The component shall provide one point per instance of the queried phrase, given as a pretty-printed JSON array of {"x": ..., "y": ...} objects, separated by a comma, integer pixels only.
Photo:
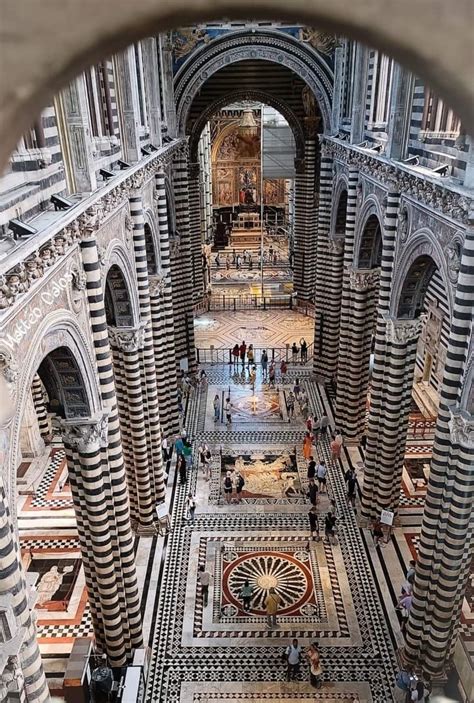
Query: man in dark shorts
[
  {"x": 314, "y": 523},
  {"x": 351, "y": 481},
  {"x": 311, "y": 469}
]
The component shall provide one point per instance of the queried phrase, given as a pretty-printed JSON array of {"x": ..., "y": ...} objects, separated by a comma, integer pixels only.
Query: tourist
[
  {"x": 309, "y": 422},
  {"x": 272, "y": 602},
  {"x": 204, "y": 580},
  {"x": 217, "y": 407},
  {"x": 321, "y": 473},
  {"x": 202, "y": 379},
  {"x": 407, "y": 586},
  {"x": 179, "y": 445},
  {"x": 245, "y": 255},
  {"x": 190, "y": 507},
  {"x": 235, "y": 354},
  {"x": 246, "y": 594},
  {"x": 316, "y": 429},
  {"x": 165, "y": 449},
  {"x": 315, "y": 669},
  {"x": 313, "y": 494},
  {"x": 271, "y": 374},
  {"x": 253, "y": 378},
  {"x": 411, "y": 569},
  {"x": 264, "y": 362},
  {"x": 314, "y": 523},
  {"x": 242, "y": 352},
  {"x": 405, "y": 603},
  {"x": 275, "y": 258},
  {"x": 351, "y": 480},
  {"x": 418, "y": 692},
  {"x": 324, "y": 424},
  {"x": 228, "y": 487},
  {"x": 283, "y": 370},
  {"x": 250, "y": 356},
  {"x": 311, "y": 469},
  {"x": 250, "y": 262},
  {"x": 238, "y": 262},
  {"x": 329, "y": 527},
  {"x": 202, "y": 449},
  {"x": 227, "y": 262},
  {"x": 239, "y": 484},
  {"x": 297, "y": 388},
  {"x": 181, "y": 467},
  {"x": 188, "y": 453},
  {"x": 294, "y": 353},
  {"x": 377, "y": 530},
  {"x": 339, "y": 438},
  {"x": 290, "y": 405},
  {"x": 335, "y": 449},
  {"x": 304, "y": 350},
  {"x": 218, "y": 261},
  {"x": 234, "y": 257},
  {"x": 307, "y": 445},
  {"x": 293, "y": 656},
  {"x": 228, "y": 411}
]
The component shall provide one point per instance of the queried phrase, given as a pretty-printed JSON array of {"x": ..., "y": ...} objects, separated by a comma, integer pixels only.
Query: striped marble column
[
  {"x": 181, "y": 266},
  {"x": 328, "y": 285},
  {"x": 85, "y": 438},
  {"x": 40, "y": 407},
  {"x": 13, "y": 591},
  {"x": 128, "y": 345},
  {"x": 195, "y": 230},
  {"x": 161, "y": 300},
  {"x": 113, "y": 464},
  {"x": 147, "y": 354},
  {"x": 304, "y": 256},
  {"x": 446, "y": 539}
]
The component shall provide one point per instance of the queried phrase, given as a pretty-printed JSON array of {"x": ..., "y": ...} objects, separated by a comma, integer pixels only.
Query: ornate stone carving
[
  {"x": 453, "y": 257},
  {"x": 157, "y": 284},
  {"x": 86, "y": 435},
  {"x": 336, "y": 246},
  {"x": 136, "y": 181},
  {"x": 186, "y": 39},
  {"x": 403, "y": 331},
  {"x": 102, "y": 255},
  {"x": 324, "y": 42},
  {"x": 127, "y": 339},
  {"x": 128, "y": 223},
  {"x": 79, "y": 279},
  {"x": 359, "y": 193},
  {"x": 403, "y": 225},
  {"x": 461, "y": 426},
  {"x": 364, "y": 279},
  {"x": 8, "y": 367}
]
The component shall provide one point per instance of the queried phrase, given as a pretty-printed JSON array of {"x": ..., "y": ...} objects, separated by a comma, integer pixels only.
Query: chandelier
[{"x": 248, "y": 125}]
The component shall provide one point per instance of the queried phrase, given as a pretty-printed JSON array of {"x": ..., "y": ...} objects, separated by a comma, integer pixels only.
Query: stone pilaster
[
  {"x": 304, "y": 256},
  {"x": 359, "y": 94},
  {"x": 128, "y": 109},
  {"x": 195, "y": 226},
  {"x": 400, "y": 107},
  {"x": 73, "y": 100}
]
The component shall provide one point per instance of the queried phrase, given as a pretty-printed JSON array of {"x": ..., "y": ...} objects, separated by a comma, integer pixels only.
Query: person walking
[
  {"x": 246, "y": 594},
  {"x": 290, "y": 404},
  {"x": 308, "y": 445},
  {"x": 313, "y": 494},
  {"x": 239, "y": 484},
  {"x": 336, "y": 448},
  {"x": 293, "y": 658},
  {"x": 250, "y": 356},
  {"x": 297, "y": 388},
  {"x": 253, "y": 377},
  {"x": 314, "y": 523},
  {"x": 294, "y": 353},
  {"x": 217, "y": 407},
  {"x": 228, "y": 487},
  {"x": 304, "y": 350},
  {"x": 405, "y": 603},
  {"x": 228, "y": 411},
  {"x": 188, "y": 453},
  {"x": 324, "y": 424},
  {"x": 272, "y": 603},
  {"x": 311, "y": 472},
  {"x": 264, "y": 362},
  {"x": 165, "y": 448},
  {"x": 339, "y": 438},
  {"x": 321, "y": 473},
  {"x": 204, "y": 579},
  {"x": 283, "y": 370},
  {"x": 218, "y": 261},
  {"x": 351, "y": 481},
  {"x": 315, "y": 668},
  {"x": 329, "y": 527},
  {"x": 235, "y": 354},
  {"x": 271, "y": 375},
  {"x": 242, "y": 352},
  {"x": 190, "y": 507},
  {"x": 181, "y": 466}
]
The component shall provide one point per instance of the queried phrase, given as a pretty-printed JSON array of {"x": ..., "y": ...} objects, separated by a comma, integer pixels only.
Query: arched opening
[
  {"x": 341, "y": 215},
  {"x": 151, "y": 253},
  {"x": 415, "y": 286},
  {"x": 118, "y": 306},
  {"x": 370, "y": 248}
]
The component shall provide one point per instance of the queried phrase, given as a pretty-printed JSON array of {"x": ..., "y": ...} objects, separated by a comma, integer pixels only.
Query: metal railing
[
  {"x": 217, "y": 303},
  {"x": 212, "y": 355}
]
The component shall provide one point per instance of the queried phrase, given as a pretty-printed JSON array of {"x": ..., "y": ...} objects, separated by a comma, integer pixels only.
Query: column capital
[
  {"x": 157, "y": 283},
  {"x": 461, "y": 427},
  {"x": 403, "y": 331},
  {"x": 363, "y": 279},
  {"x": 86, "y": 434},
  {"x": 127, "y": 339},
  {"x": 336, "y": 245}
]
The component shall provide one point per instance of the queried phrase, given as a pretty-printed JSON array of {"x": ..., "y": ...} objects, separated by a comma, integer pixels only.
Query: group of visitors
[
  {"x": 301, "y": 351},
  {"x": 410, "y": 688},
  {"x": 233, "y": 485},
  {"x": 293, "y": 655}
]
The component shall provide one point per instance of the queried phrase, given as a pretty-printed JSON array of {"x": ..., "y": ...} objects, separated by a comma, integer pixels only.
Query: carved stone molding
[
  {"x": 433, "y": 195},
  {"x": 461, "y": 426},
  {"x": 403, "y": 331},
  {"x": 157, "y": 284},
  {"x": 128, "y": 222},
  {"x": 364, "y": 279},
  {"x": 8, "y": 367},
  {"x": 336, "y": 246},
  {"x": 127, "y": 339},
  {"x": 86, "y": 435},
  {"x": 403, "y": 225},
  {"x": 453, "y": 254},
  {"x": 79, "y": 279}
]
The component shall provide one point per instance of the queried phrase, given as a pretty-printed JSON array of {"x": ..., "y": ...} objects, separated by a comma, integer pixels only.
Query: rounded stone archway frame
[
  {"x": 254, "y": 95},
  {"x": 430, "y": 37}
]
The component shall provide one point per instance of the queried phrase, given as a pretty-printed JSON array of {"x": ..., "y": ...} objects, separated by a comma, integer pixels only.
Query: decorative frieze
[
  {"x": 127, "y": 339},
  {"x": 403, "y": 331},
  {"x": 437, "y": 197},
  {"x": 364, "y": 279},
  {"x": 461, "y": 426},
  {"x": 86, "y": 435}
]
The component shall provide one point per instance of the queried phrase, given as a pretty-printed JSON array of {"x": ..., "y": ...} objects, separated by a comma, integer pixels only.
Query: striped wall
[
  {"x": 435, "y": 295},
  {"x": 304, "y": 256},
  {"x": 40, "y": 406}
]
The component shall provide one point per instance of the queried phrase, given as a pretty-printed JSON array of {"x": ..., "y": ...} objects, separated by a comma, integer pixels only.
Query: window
[
  {"x": 437, "y": 117},
  {"x": 140, "y": 83},
  {"x": 381, "y": 89},
  {"x": 348, "y": 80}
]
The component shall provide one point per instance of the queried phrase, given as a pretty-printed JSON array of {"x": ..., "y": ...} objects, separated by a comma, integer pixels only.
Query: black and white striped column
[
  {"x": 40, "y": 407},
  {"x": 13, "y": 590},
  {"x": 328, "y": 285},
  {"x": 195, "y": 228},
  {"x": 181, "y": 267},
  {"x": 304, "y": 255},
  {"x": 113, "y": 464},
  {"x": 161, "y": 300},
  {"x": 446, "y": 539},
  {"x": 128, "y": 345},
  {"x": 148, "y": 368}
]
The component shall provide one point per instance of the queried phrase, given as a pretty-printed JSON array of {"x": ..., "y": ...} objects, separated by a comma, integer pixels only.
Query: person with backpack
[
  {"x": 351, "y": 481},
  {"x": 246, "y": 594},
  {"x": 402, "y": 685},
  {"x": 239, "y": 484},
  {"x": 293, "y": 659}
]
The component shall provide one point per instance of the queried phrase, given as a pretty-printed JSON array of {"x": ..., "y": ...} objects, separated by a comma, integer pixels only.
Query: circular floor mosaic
[{"x": 289, "y": 575}]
